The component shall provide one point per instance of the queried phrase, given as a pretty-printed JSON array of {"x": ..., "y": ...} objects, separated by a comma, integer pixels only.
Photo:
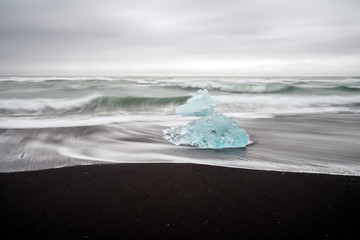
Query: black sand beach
[{"x": 177, "y": 201}]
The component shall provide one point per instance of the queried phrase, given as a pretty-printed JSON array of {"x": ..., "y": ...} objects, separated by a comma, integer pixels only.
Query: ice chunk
[
  {"x": 199, "y": 105},
  {"x": 212, "y": 131}
]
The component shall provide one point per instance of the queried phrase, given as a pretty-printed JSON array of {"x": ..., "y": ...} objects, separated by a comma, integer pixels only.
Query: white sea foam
[
  {"x": 231, "y": 88},
  {"x": 285, "y": 104},
  {"x": 88, "y": 120},
  {"x": 147, "y": 153}
]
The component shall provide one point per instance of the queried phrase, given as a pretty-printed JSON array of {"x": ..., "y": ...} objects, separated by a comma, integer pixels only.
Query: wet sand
[{"x": 177, "y": 201}]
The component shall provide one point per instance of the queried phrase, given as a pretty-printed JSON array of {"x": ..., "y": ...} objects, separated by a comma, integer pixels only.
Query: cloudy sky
[{"x": 180, "y": 37}]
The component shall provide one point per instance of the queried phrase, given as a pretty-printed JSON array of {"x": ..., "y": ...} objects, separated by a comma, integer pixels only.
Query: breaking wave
[
  {"x": 86, "y": 105},
  {"x": 264, "y": 88}
]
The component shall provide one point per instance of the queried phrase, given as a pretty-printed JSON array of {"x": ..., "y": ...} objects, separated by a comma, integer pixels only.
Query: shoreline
[
  {"x": 313, "y": 143},
  {"x": 181, "y": 201}
]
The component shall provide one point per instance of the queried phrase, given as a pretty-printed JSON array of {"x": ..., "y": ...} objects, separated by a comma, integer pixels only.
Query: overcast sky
[{"x": 180, "y": 37}]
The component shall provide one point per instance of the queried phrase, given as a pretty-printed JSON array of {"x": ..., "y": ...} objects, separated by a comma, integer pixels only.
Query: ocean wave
[
  {"x": 113, "y": 102},
  {"x": 233, "y": 88},
  {"x": 262, "y": 89},
  {"x": 89, "y": 104},
  {"x": 52, "y": 78},
  {"x": 347, "y": 88}
]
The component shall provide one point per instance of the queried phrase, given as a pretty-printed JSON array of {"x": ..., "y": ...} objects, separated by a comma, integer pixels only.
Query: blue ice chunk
[
  {"x": 199, "y": 105},
  {"x": 212, "y": 131}
]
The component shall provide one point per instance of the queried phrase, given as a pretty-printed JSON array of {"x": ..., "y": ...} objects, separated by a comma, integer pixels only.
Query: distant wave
[
  {"x": 168, "y": 79},
  {"x": 235, "y": 88},
  {"x": 265, "y": 88},
  {"x": 347, "y": 88},
  {"x": 53, "y": 78},
  {"x": 85, "y": 105}
]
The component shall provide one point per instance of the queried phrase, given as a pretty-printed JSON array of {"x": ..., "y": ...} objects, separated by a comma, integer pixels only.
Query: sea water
[{"x": 298, "y": 124}]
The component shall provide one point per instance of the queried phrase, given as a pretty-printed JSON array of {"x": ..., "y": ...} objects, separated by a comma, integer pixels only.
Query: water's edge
[{"x": 326, "y": 144}]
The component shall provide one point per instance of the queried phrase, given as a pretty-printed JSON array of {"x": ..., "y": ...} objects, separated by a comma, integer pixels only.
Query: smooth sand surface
[{"x": 177, "y": 201}]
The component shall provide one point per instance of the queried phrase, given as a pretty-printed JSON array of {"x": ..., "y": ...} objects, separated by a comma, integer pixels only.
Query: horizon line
[{"x": 153, "y": 75}]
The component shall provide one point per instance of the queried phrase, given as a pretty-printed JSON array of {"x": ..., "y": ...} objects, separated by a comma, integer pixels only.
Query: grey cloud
[{"x": 36, "y": 33}]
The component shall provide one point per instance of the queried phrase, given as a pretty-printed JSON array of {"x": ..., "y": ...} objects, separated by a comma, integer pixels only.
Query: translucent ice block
[
  {"x": 199, "y": 105},
  {"x": 212, "y": 131}
]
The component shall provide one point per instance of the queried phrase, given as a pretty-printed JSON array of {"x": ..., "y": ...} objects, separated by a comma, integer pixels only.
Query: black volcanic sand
[{"x": 177, "y": 201}]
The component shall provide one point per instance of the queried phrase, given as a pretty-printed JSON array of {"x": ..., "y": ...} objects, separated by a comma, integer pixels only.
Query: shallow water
[
  {"x": 315, "y": 144},
  {"x": 296, "y": 124}
]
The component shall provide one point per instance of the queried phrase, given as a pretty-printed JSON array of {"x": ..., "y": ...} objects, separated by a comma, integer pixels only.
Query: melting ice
[
  {"x": 199, "y": 105},
  {"x": 214, "y": 130}
]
